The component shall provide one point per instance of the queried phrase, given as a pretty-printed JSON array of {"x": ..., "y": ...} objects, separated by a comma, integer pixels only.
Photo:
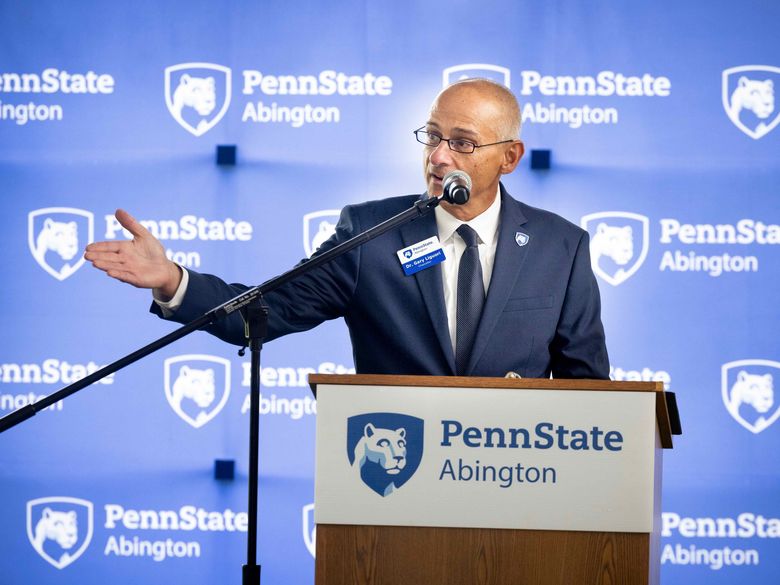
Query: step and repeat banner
[{"x": 661, "y": 119}]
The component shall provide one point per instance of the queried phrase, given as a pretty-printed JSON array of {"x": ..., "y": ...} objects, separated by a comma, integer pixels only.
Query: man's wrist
[
  {"x": 169, "y": 307},
  {"x": 166, "y": 292}
]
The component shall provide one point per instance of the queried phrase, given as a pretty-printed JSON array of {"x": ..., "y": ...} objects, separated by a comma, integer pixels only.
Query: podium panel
[{"x": 477, "y": 480}]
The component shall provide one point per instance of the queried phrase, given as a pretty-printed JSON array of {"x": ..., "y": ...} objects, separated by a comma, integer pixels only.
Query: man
[{"x": 519, "y": 296}]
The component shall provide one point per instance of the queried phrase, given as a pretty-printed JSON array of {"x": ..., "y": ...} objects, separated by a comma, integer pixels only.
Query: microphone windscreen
[
  {"x": 456, "y": 187},
  {"x": 456, "y": 176}
]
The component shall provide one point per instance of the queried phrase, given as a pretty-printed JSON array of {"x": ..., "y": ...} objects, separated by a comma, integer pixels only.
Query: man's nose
[{"x": 441, "y": 155}]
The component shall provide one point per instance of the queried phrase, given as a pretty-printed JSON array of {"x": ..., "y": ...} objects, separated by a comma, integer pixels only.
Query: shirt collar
[{"x": 485, "y": 224}]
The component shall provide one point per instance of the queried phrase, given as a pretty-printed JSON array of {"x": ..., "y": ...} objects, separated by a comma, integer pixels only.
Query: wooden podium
[{"x": 535, "y": 535}]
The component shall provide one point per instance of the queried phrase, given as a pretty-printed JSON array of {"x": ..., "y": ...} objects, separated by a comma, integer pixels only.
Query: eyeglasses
[{"x": 457, "y": 144}]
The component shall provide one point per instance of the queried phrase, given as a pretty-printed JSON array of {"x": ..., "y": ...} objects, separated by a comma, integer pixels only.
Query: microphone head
[{"x": 456, "y": 187}]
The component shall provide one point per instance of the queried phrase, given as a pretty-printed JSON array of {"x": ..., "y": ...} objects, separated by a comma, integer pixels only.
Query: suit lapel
[
  {"x": 506, "y": 268},
  {"x": 430, "y": 283}
]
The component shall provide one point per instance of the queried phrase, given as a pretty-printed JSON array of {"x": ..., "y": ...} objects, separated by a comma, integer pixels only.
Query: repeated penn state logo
[
  {"x": 197, "y": 386},
  {"x": 749, "y": 98},
  {"x": 747, "y": 389},
  {"x": 384, "y": 449},
  {"x": 619, "y": 242},
  {"x": 318, "y": 226},
  {"x": 60, "y": 528},
  {"x": 476, "y": 70},
  {"x": 57, "y": 236},
  {"x": 309, "y": 529},
  {"x": 197, "y": 95}
]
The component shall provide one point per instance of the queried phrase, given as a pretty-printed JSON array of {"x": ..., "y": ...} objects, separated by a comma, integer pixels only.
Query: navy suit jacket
[{"x": 541, "y": 313}]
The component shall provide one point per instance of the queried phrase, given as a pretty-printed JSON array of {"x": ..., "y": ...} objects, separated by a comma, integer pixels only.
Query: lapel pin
[{"x": 521, "y": 238}]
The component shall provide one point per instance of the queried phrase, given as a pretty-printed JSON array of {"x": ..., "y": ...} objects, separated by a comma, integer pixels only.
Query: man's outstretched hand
[{"x": 140, "y": 261}]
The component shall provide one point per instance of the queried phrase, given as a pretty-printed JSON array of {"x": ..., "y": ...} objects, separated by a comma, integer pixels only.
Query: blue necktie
[{"x": 471, "y": 298}]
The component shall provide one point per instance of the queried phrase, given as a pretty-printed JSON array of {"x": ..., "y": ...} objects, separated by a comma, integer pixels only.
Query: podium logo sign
[
  {"x": 197, "y": 95},
  {"x": 492, "y": 458},
  {"x": 57, "y": 235},
  {"x": 384, "y": 449},
  {"x": 318, "y": 226},
  {"x": 747, "y": 388},
  {"x": 197, "y": 386},
  {"x": 60, "y": 528},
  {"x": 619, "y": 242},
  {"x": 749, "y": 98}
]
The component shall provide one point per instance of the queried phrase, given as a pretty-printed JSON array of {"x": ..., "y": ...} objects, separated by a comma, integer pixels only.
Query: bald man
[{"x": 515, "y": 292}]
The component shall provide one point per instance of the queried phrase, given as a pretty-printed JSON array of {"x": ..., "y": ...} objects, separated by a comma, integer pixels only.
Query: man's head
[{"x": 483, "y": 112}]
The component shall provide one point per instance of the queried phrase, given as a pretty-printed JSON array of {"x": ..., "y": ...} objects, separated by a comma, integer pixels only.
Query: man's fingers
[
  {"x": 104, "y": 246},
  {"x": 114, "y": 251},
  {"x": 93, "y": 255},
  {"x": 140, "y": 262},
  {"x": 106, "y": 265},
  {"x": 130, "y": 224}
]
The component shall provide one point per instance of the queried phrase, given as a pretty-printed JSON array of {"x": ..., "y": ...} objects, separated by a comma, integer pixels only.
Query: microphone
[{"x": 456, "y": 187}]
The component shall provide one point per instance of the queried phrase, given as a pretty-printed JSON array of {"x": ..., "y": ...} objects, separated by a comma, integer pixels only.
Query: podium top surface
[
  {"x": 662, "y": 412},
  {"x": 472, "y": 382}
]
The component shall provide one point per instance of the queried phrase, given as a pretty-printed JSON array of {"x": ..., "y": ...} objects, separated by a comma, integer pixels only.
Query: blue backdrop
[{"x": 661, "y": 118}]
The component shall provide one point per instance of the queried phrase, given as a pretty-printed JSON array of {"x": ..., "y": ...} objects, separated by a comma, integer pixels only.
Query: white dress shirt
[{"x": 486, "y": 226}]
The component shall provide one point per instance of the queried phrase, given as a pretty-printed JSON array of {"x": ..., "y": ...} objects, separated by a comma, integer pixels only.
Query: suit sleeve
[
  {"x": 320, "y": 295},
  {"x": 579, "y": 348}
]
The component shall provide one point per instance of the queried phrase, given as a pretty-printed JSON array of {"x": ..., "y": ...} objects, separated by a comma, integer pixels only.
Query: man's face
[{"x": 469, "y": 113}]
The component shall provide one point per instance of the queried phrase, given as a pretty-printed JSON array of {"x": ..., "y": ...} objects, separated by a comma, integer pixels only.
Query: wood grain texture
[{"x": 399, "y": 555}]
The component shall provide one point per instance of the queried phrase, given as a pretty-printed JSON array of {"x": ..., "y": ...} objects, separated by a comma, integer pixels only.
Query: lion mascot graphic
[
  {"x": 754, "y": 390},
  {"x": 194, "y": 385},
  {"x": 61, "y": 527},
  {"x": 380, "y": 453},
  {"x": 616, "y": 243},
  {"x": 61, "y": 237}
]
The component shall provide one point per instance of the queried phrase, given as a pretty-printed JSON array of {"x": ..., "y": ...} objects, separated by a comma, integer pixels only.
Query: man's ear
[{"x": 512, "y": 156}]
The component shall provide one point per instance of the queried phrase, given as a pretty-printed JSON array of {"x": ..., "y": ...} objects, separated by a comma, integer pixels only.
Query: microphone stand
[{"x": 255, "y": 314}]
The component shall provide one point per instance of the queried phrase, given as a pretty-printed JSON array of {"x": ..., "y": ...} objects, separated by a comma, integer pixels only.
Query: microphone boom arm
[{"x": 420, "y": 208}]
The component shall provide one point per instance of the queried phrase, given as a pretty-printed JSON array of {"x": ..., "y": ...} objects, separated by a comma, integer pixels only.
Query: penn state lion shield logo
[
  {"x": 197, "y": 386},
  {"x": 60, "y": 528},
  {"x": 476, "y": 70},
  {"x": 384, "y": 449},
  {"x": 56, "y": 237},
  {"x": 318, "y": 226},
  {"x": 619, "y": 242},
  {"x": 749, "y": 98},
  {"x": 748, "y": 392},
  {"x": 197, "y": 95}
]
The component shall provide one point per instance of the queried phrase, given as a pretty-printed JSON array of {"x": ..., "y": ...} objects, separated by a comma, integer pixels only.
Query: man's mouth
[{"x": 436, "y": 178}]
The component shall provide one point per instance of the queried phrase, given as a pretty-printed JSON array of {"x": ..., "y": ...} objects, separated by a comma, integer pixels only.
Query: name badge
[{"x": 421, "y": 255}]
